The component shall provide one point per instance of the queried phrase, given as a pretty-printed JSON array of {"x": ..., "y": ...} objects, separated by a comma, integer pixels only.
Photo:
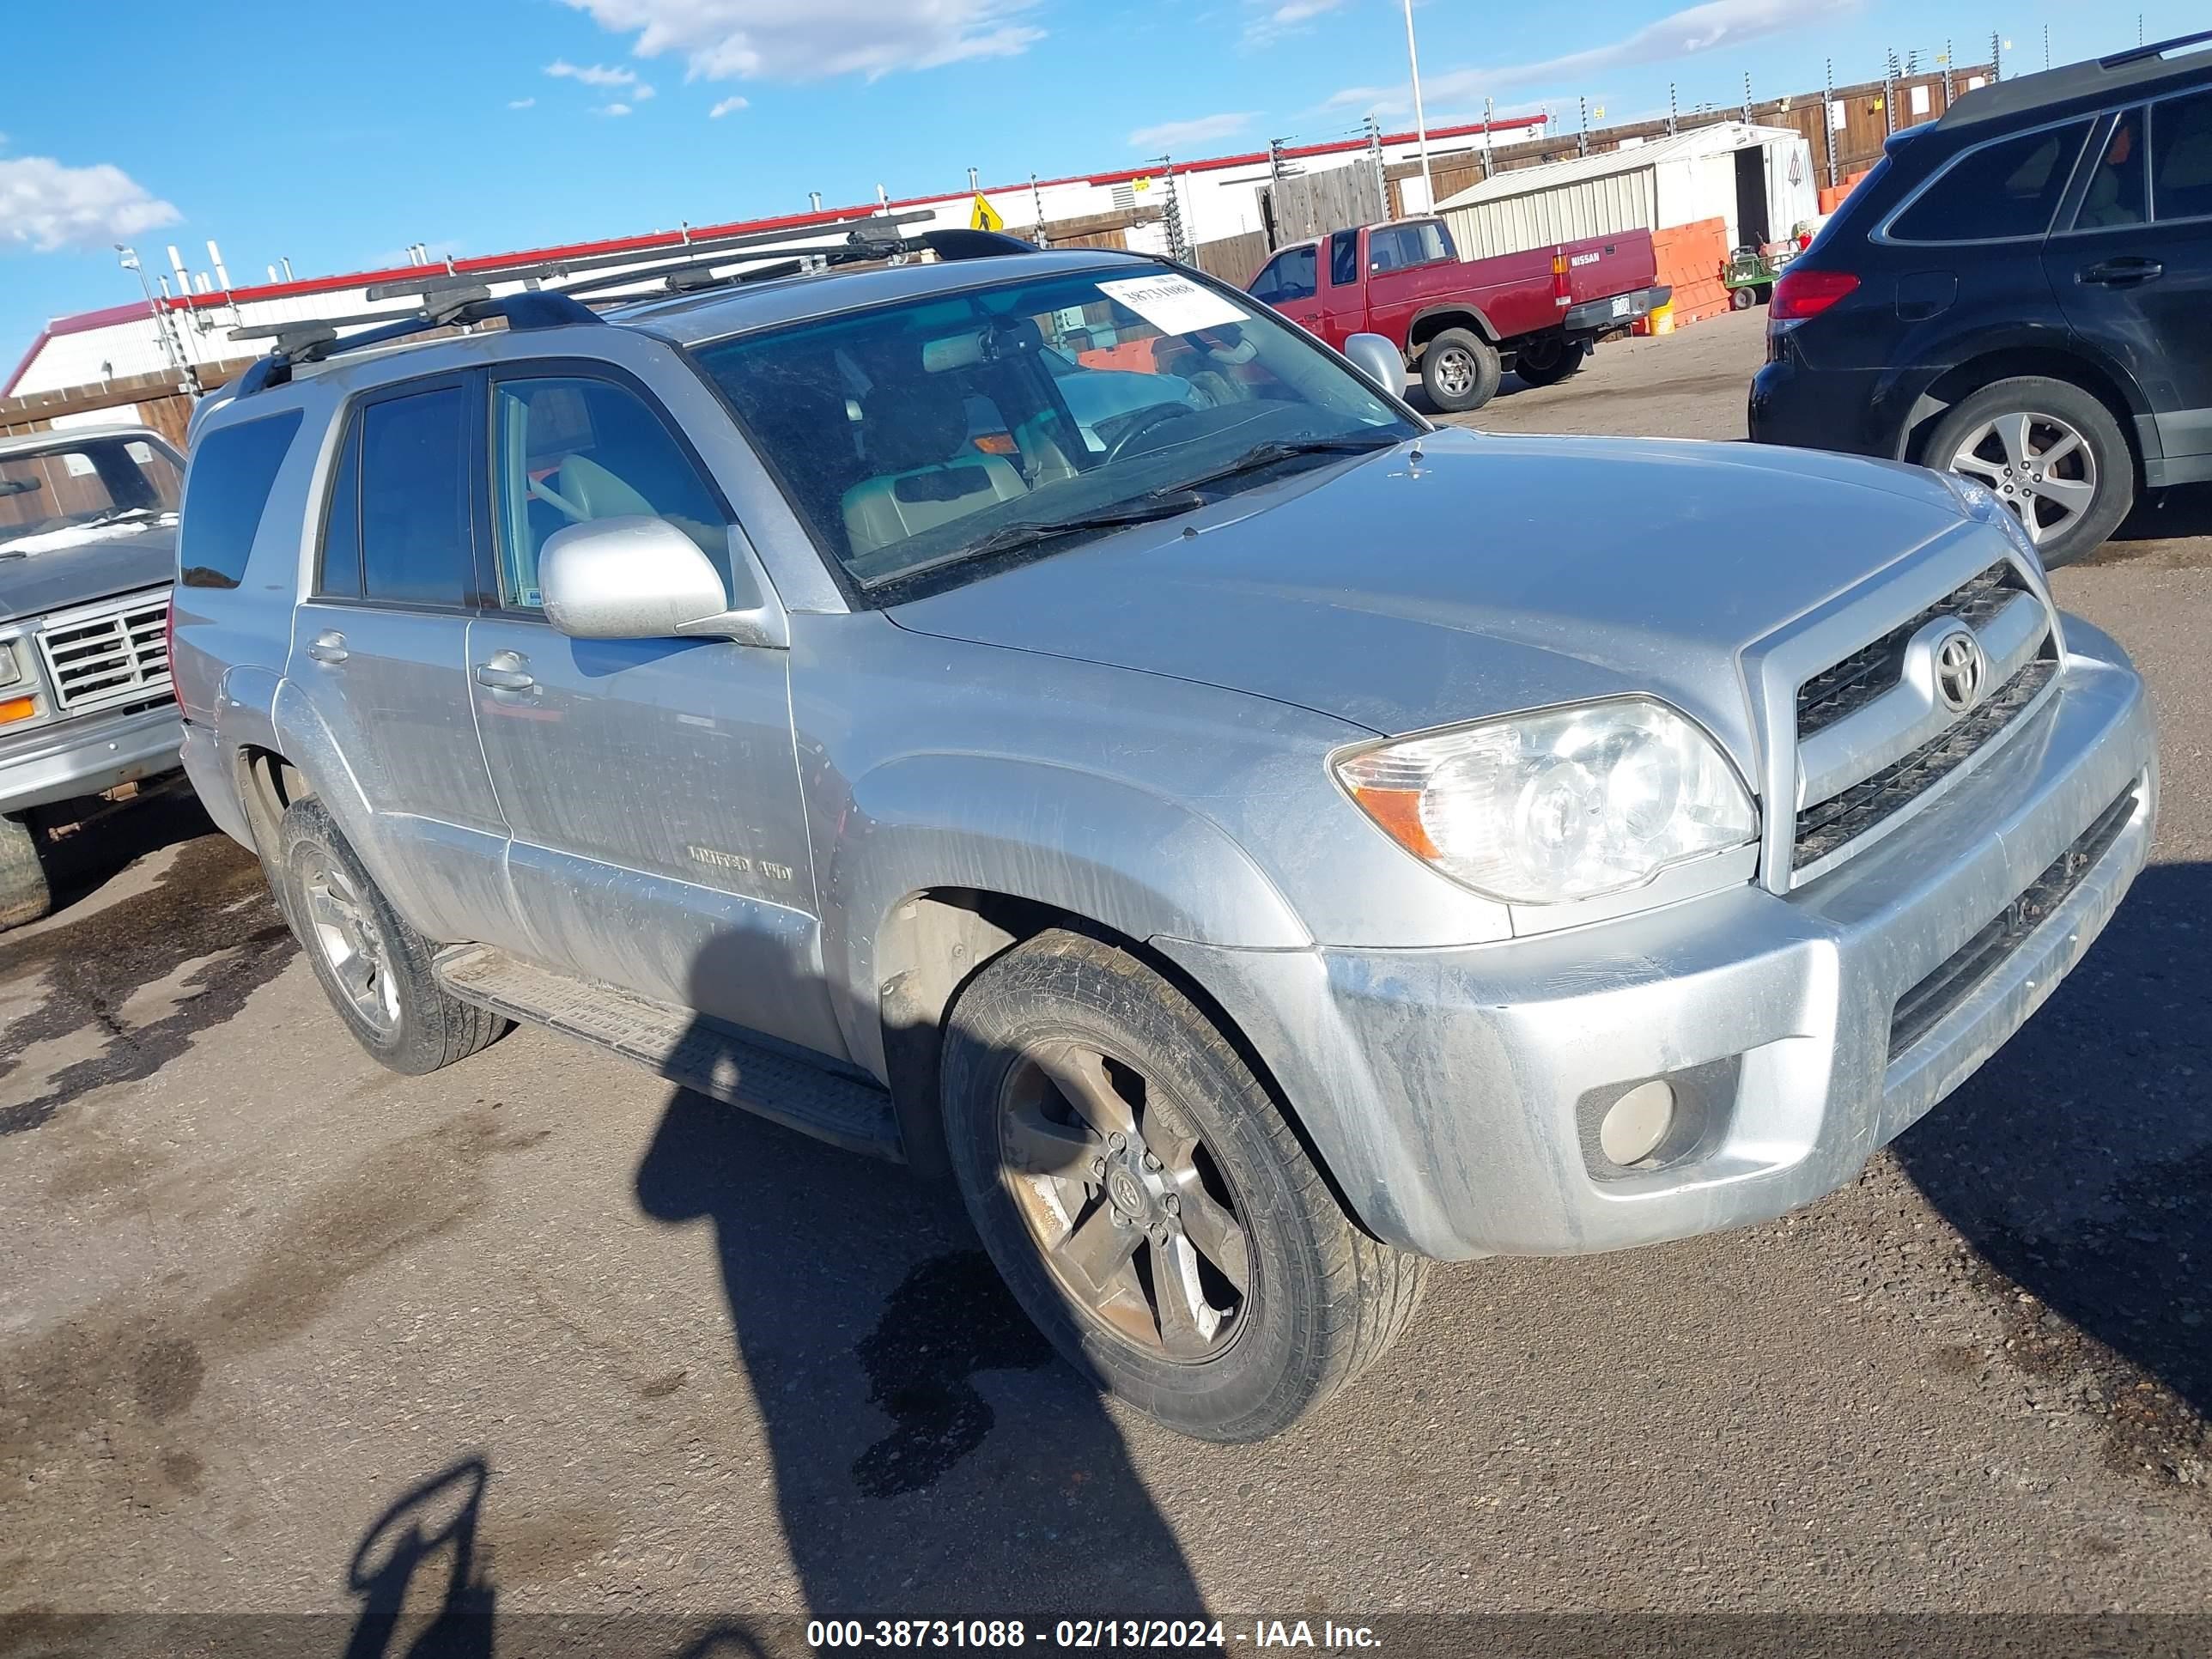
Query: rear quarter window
[
  {"x": 226, "y": 485},
  {"x": 2005, "y": 189}
]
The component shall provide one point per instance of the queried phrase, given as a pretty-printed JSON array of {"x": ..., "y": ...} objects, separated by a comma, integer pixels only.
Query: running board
[{"x": 686, "y": 1048}]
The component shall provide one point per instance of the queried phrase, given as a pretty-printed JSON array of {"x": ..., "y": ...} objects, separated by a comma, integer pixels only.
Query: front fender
[{"x": 1096, "y": 847}]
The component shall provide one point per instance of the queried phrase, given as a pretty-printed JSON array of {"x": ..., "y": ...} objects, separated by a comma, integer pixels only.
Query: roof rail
[
  {"x": 311, "y": 342},
  {"x": 2156, "y": 49}
]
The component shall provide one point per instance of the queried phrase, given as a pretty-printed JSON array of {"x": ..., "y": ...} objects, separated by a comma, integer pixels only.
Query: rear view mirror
[
  {"x": 639, "y": 578},
  {"x": 1374, "y": 356},
  {"x": 19, "y": 486}
]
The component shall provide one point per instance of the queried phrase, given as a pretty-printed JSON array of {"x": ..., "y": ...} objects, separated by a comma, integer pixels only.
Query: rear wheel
[
  {"x": 1460, "y": 371},
  {"x": 1741, "y": 299},
  {"x": 1146, "y": 1201},
  {"x": 24, "y": 893},
  {"x": 1549, "y": 358},
  {"x": 373, "y": 966},
  {"x": 2051, "y": 452}
]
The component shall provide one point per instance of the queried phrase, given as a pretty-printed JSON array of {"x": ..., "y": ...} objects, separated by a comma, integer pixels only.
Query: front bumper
[
  {"x": 85, "y": 754},
  {"x": 1450, "y": 1091}
]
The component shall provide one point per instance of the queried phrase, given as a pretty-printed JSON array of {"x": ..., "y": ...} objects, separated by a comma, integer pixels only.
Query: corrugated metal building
[{"x": 1759, "y": 179}]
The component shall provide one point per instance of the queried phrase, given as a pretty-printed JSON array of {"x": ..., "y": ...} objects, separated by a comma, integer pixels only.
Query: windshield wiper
[
  {"x": 1029, "y": 532},
  {"x": 1284, "y": 449}
]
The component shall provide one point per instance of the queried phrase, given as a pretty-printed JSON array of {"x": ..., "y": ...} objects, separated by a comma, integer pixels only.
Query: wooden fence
[
  {"x": 1308, "y": 204},
  {"x": 1235, "y": 259}
]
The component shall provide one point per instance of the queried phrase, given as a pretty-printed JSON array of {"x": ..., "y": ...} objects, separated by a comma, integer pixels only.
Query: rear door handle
[
  {"x": 2123, "y": 273},
  {"x": 328, "y": 646},
  {"x": 507, "y": 670}
]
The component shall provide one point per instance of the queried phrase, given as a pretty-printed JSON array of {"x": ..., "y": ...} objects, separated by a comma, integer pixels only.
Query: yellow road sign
[{"x": 985, "y": 217}]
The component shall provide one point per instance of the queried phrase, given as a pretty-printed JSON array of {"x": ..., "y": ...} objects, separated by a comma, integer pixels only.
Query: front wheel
[
  {"x": 25, "y": 894},
  {"x": 1146, "y": 1201},
  {"x": 373, "y": 966},
  {"x": 1742, "y": 298},
  {"x": 1460, "y": 371},
  {"x": 2051, "y": 452}
]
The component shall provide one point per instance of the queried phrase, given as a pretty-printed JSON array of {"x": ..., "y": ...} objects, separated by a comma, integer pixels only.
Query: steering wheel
[
  {"x": 1145, "y": 419},
  {"x": 559, "y": 503}
]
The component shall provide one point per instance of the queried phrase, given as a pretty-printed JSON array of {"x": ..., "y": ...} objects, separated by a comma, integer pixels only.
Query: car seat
[{"x": 917, "y": 432}]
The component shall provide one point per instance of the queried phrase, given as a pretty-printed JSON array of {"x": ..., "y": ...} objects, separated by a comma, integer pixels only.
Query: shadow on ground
[{"x": 2078, "y": 1163}]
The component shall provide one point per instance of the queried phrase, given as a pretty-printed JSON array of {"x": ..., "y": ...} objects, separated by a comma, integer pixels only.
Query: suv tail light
[{"x": 1802, "y": 294}]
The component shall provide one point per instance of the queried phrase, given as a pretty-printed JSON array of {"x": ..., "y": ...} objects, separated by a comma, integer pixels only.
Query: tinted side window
[
  {"x": 571, "y": 450},
  {"x": 1267, "y": 286},
  {"x": 2181, "y": 157},
  {"x": 2008, "y": 188},
  {"x": 415, "y": 543},
  {"x": 1344, "y": 258},
  {"x": 338, "y": 571},
  {"x": 2115, "y": 194},
  {"x": 225, "y": 493},
  {"x": 1295, "y": 273}
]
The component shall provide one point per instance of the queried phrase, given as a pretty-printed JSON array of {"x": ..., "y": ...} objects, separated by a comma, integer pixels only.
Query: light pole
[
  {"x": 1420, "y": 120},
  {"x": 128, "y": 258}
]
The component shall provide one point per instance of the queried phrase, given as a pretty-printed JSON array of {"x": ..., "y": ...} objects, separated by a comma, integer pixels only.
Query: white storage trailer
[{"x": 1760, "y": 179}]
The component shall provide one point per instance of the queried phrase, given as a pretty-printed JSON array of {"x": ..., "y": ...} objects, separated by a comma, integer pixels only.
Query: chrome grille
[
  {"x": 97, "y": 657},
  {"x": 1874, "y": 733},
  {"x": 1858, "y": 679},
  {"x": 1834, "y": 823}
]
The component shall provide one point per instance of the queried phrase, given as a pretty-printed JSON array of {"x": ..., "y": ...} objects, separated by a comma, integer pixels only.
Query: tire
[
  {"x": 1741, "y": 299},
  {"x": 1320, "y": 1301},
  {"x": 1982, "y": 425},
  {"x": 373, "y": 966},
  {"x": 1460, "y": 371},
  {"x": 25, "y": 894},
  {"x": 1552, "y": 362}
]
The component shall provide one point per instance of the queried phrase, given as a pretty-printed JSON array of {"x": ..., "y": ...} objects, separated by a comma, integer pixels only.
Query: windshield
[
  {"x": 911, "y": 436},
  {"x": 84, "y": 492}
]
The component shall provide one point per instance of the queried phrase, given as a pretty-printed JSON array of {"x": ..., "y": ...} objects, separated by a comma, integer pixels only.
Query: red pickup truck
[{"x": 1463, "y": 323}]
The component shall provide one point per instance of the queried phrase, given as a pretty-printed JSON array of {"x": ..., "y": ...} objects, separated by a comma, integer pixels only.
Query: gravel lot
[{"x": 674, "y": 1358}]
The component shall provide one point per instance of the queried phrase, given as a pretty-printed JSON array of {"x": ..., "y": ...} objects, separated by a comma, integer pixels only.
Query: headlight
[
  {"x": 1981, "y": 503},
  {"x": 10, "y": 670},
  {"x": 1563, "y": 803}
]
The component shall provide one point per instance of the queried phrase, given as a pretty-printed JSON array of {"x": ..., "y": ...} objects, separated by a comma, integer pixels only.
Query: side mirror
[
  {"x": 639, "y": 578},
  {"x": 1374, "y": 356}
]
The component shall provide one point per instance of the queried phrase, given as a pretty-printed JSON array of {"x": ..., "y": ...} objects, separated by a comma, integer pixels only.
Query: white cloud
[
  {"x": 641, "y": 91},
  {"x": 808, "y": 39},
  {"x": 1685, "y": 33},
  {"x": 1171, "y": 136},
  {"x": 521, "y": 103},
  {"x": 1284, "y": 17},
  {"x": 727, "y": 107},
  {"x": 611, "y": 109},
  {"x": 47, "y": 207},
  {"x": 592, "y": 74}
]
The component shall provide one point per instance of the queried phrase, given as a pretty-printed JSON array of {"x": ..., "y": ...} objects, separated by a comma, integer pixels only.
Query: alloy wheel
[
  {"x": 1133, "y": 1219},
  {"x": 2038, "y": 465},
  {"x": 1456, "y": 372},
  {"x": 346, "y": 934}
]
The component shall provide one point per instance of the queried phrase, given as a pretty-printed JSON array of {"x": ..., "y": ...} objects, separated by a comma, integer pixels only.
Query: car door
[
  {"x": 650, "y": 787},
  {"x": 1290, "y": 274},
  {"x": 380, "y": 649},
  {"x": 1343, "y": 301},
  {"x": 2133, "y": 270}
]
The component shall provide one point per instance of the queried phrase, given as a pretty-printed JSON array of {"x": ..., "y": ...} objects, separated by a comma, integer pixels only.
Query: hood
[
  {"x": 1498, "y": 574},
  {"x": 59, "y": 577}
]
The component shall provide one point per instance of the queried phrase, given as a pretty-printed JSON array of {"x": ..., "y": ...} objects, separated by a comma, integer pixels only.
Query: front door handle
[
  {"x": 2124, "y": 273},
  {"x": 328, "y": 646},
  {"x": 507, "y": 670}
]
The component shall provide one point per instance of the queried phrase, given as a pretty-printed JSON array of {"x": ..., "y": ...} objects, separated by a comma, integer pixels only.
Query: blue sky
[{"x": 338, "y": 136}]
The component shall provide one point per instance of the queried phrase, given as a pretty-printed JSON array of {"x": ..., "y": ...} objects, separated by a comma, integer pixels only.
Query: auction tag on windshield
[{"x": 1173, "y": 305}]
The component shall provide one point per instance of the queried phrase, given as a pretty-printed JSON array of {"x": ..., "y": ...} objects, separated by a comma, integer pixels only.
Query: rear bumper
[
  {"x": 1853, "y": 411},
  {"x": 1595, "y": 316},
  {"x": 85, "y": 754},
  {"x": 1456, "y": 1094}
]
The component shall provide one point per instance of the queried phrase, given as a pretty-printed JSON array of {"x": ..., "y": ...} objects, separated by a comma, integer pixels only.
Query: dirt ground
[{"x": 283, "y": 1332}]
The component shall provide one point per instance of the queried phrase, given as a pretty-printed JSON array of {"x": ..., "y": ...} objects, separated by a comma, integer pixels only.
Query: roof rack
[
  {"x": 2100, "y": 78},
  {"x": 445, "y": 298}
]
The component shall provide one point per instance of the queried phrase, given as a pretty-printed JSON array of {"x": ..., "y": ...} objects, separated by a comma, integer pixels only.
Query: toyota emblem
[{"x": 1960, "y": 668}]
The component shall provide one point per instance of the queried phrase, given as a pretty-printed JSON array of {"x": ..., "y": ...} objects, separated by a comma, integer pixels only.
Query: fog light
[{"x": 1635, "y": 1124}]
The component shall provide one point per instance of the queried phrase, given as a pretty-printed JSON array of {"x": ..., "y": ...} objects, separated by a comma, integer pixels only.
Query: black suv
[{"x": 2021, "y": 293}]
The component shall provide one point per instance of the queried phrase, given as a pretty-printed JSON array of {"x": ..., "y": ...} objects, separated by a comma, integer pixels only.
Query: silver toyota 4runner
[
  {"x": 1253, "y": 841},
  {"x": 87, "y": 546}
]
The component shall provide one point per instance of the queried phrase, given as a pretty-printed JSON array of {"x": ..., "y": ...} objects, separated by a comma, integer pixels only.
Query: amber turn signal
[{"x": 17, "y": 708}]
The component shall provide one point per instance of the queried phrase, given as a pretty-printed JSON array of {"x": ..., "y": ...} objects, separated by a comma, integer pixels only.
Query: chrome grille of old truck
[
  {"x": 1880, "y": 729},
  {"x": 101, "y": 655}
]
